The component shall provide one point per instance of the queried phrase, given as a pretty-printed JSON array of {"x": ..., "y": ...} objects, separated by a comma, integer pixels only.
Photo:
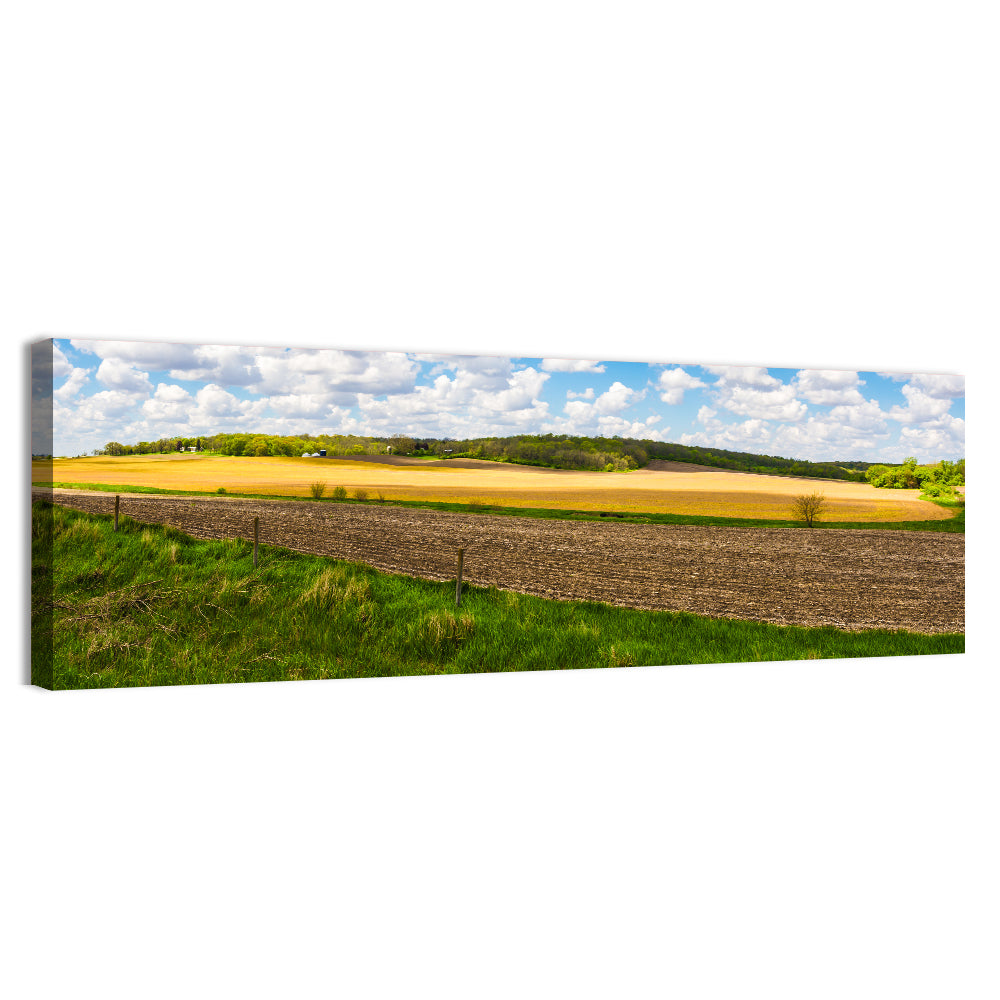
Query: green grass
[
  {"x": 153, "y": 606},
  {"x": 955, "y": 524}
]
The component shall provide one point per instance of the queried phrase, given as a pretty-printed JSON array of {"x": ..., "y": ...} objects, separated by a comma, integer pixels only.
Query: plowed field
[{"x": 853, "y": 579}]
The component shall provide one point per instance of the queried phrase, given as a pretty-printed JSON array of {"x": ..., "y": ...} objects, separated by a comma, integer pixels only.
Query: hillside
[{"x": 551, "y": 451}]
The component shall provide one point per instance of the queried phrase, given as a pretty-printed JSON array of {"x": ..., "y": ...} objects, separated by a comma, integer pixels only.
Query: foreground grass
[
  {"x": 953, "y": 525},
  {"x": 151, "y": 605}
]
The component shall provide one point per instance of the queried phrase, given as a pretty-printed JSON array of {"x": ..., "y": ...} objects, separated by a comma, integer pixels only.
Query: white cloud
[
  {"x": 523, "y": 389},
  {"x": 920, "y": 407},
  {"x": 618, "y": 397},
  {"x": 586, "y": 394},
  {"x": 152, "y": 357},
  {"x": 471, "y": 404},
  {"x": 78, "y": 377},
  {"x": 570, "y": 365},
  {"x": 742, "y": 375},
  {"x": 169, "y": 403},
  {"x": 674, "y": 382},
  {"x": 220, "y": 364},
  {"x": 60, "y": 365},
  {"x": 612, "y": 425},
  {"x": 124, "y": 377},
  {"x": 104, "y": 406},
  {"x": 322, "y": 371},
  {"x": 768, "y": 404},
  {"x": 945, "y": 439},
  {"x": 829, "y": 388},
  {"x": 308, "y": 405},
  {"x": 750, "y": 435},
  {"x": 940, "y": 386},
  {"x": 845, "y": 432}
]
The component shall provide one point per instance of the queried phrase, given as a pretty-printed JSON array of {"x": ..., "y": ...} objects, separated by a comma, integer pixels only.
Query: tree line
[
  {"x": 933, "y": 480},
  {"x": 607, "y": 454}
]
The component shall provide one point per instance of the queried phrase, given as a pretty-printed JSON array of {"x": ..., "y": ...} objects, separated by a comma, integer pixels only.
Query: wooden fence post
[
  {"x": 117, "y": 498},
  {"x": 458, "y": 582},
  {"x": 256, "y": 536}
]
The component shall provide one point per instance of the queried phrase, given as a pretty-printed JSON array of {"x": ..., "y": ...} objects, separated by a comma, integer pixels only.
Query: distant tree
[{"x": 808, "y": 507}]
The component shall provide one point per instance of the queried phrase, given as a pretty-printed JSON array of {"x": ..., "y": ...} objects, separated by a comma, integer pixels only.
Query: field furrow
[{"x": 854, "y": 579}]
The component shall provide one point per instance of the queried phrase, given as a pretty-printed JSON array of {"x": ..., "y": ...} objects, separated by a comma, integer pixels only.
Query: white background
[{"x": 764, "y": 184}]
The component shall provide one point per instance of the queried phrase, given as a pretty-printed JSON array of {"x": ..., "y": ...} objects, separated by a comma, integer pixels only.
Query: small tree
[
  {"x": 808, "y": 507},
  {"x": 317, "y": 489}
]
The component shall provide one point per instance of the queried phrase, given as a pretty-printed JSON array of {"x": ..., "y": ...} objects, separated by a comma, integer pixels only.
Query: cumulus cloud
[
  {"x": 829, "y": 388},
  {"x": 618, "y": 397},
  {"x": 123, "y": 376},
  {"x": 150, "y": 356},
  {"x": 78, "y": 377},
  {"x": 750, "y": 435},
  {"x": 103, "y": 406},
  {"x": 946, "y": 437},
  {"x": 307, "y": 405},
  {"x": 523, "y": 388},
  {"x": 844, "y": 432},
  {"x": 570, "y": 365},
  {"x": 742, "y": 375},
  {"x": 471, "y": 403},
  {"x": 60, "y": 366},
  {"x": 755, "y": 393},
  {"x": 322, "y": 371},
  {"x": 674, "y": 382},
  {"x": 168, "y": 403},
  {"x": 921, "y": 407},
  {"x": 940, "y": 386},
  {"x": 763, "y": 404},
  {"x": 221, "y": 364},
  {"x": 587, "y": 393}
]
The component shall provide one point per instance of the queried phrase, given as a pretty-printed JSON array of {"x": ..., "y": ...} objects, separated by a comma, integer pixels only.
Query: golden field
[{"x": 664, "y": 487}]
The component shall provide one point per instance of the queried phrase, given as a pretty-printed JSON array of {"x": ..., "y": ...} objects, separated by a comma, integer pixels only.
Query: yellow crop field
[{"x": 673, "y": 488}]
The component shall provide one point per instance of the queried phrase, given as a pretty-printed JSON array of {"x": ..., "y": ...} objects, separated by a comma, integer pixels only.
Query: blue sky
[{"x": 129, "y": 391}]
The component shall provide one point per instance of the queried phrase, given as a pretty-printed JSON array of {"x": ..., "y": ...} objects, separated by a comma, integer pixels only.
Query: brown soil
[{"x": 852, "y": 579}]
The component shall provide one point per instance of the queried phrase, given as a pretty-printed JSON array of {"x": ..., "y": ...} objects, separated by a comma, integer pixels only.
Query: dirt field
[
  {"x": 853, "y": 579},
  {"x": 662, "y": 487}
]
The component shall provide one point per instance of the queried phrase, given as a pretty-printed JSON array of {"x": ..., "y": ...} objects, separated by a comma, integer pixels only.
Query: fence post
[
  {"x": 256, "y": 536},
  {"x": 458, "y": 582},
  {"x": 117, "y": 498}
]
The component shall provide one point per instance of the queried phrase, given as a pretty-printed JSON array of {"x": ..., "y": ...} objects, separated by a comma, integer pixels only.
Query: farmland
[
  {"x": 661, "y": 487},
  {"x": 150, "y": 605},
  {"x": 850, "y": 579}
]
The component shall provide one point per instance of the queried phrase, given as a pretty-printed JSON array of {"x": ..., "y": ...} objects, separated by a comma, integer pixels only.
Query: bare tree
[{"x": 808, "y": 507}]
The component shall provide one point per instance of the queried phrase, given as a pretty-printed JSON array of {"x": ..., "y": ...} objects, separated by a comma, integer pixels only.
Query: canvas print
[{"x": 214, "y": 513}]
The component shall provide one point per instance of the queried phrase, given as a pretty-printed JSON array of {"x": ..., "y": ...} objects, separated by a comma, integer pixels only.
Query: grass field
[
  {"x": 667, "y": 488},
  {"x": 149, "y": 605}
]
